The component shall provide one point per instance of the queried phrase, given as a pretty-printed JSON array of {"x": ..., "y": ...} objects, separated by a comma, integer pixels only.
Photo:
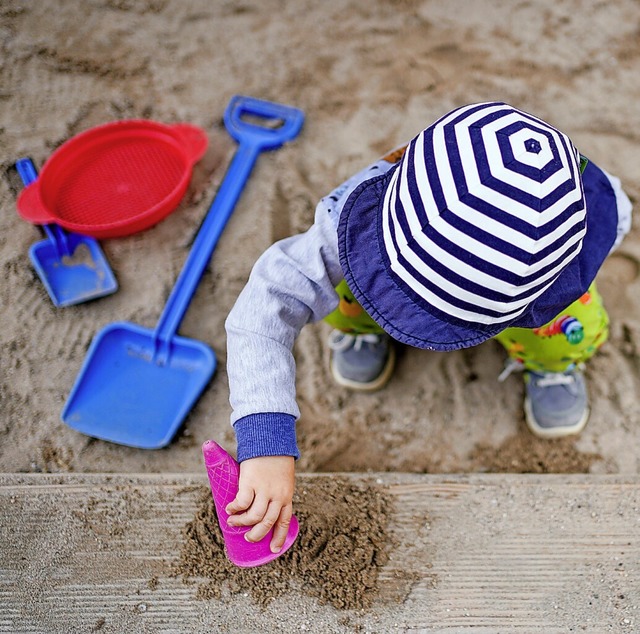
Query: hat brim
[{"x": 408, "y": 318}]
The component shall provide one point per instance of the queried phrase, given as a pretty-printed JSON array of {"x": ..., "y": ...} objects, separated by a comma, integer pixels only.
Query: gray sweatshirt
[{"x": 292, "y": 284}]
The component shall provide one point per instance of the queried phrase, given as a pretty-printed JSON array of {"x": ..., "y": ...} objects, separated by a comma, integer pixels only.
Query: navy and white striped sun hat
[{"x": 483, "y": 224}]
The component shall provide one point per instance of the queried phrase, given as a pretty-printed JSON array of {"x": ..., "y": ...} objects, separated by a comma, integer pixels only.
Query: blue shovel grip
[{"x": 241, "y": 109}]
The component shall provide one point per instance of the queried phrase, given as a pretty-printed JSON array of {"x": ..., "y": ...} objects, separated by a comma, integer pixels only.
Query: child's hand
[{"x": 265, "y": 495}]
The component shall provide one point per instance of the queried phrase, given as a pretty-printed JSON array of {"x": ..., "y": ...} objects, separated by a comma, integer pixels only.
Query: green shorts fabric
[
  {"x": 571, "y": 338},
  {"x": 350, "y": 317}
]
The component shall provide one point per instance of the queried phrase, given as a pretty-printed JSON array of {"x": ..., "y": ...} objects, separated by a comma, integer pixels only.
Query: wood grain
[{"x": 482, "y": 554}]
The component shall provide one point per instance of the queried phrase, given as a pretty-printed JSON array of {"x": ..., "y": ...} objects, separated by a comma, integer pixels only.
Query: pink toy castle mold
[{"x": 223, "y": 472}]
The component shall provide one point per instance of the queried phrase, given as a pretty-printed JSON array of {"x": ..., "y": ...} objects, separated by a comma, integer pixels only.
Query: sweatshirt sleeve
[
  {"x": 291, "y": 284},
  {"x": 624, "y": 208}
]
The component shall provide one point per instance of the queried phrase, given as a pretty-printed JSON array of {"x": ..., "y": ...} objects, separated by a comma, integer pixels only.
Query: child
[{"x": 489, "y": 224}]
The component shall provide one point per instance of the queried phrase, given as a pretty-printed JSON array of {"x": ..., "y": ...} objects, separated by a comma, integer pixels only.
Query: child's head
[{"x": 482, "y": 225}]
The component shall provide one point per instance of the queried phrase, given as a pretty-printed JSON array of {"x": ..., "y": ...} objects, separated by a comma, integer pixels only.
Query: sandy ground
[{"x": 368, "y": 76}]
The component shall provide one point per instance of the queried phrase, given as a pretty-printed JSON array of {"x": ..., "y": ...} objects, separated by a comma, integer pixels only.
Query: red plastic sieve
[{"x": 115, "y": 179}]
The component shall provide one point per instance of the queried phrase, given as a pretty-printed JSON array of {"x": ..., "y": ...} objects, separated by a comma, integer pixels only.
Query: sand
[
  {"x": 342, "y": 545},
  {"x": 368, "y": 76}
]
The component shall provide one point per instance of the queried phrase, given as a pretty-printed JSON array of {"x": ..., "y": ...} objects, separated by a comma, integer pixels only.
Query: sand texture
[{"x": 368, "y": 76}]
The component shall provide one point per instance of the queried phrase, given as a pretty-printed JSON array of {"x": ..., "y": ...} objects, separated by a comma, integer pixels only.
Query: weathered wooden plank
[{"x": 482, "y": 554}]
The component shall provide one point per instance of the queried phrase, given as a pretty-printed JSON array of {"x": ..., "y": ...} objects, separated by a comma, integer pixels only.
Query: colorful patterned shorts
[{"x": 571, "y": 338}]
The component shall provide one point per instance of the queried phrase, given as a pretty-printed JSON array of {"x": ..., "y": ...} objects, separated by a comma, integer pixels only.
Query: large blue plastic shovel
[
  {"x": 72, "y": 267},
  {"x": 137, "y": 385}
]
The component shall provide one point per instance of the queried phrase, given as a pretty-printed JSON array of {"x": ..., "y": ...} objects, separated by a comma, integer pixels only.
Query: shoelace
[
  {"x": 554, "y": 378},
  {"x": 512, "y": 365},
  {"x": 339, "y": 341},
  {"x": 543, "y": 379}
]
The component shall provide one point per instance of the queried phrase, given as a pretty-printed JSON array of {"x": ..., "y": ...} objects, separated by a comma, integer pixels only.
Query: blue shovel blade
[
  {"x": 72, "y": 267},
  {"x": 129, "y": 394},
  {"x": 73, "y": 279}
]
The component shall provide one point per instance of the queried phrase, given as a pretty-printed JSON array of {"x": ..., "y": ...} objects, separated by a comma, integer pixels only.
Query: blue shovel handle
[
  {"x": 56, "y": 234},
  {"x": 253, "y": 139},
  {"x": 289, "y": 122}
]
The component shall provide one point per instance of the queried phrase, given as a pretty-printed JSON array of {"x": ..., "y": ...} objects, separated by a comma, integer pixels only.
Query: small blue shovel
[
  {"x": 137, "y": 385},
  {"x": 72, "y": 267}
]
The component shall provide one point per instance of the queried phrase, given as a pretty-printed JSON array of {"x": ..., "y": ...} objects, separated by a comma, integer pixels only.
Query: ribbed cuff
[{"x": 271, "y": 434}]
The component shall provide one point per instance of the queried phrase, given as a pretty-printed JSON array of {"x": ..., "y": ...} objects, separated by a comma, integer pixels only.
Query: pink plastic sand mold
[{"x": 224, "y": 472}]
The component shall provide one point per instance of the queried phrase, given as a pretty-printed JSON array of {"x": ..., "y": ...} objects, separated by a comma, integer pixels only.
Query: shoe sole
[
  {"x": 380, "y": 381},
  {"x": 554, "y": 432}
]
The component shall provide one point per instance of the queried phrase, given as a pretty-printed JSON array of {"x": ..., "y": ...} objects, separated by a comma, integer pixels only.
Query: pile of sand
[{"x": 342, "y": 545}]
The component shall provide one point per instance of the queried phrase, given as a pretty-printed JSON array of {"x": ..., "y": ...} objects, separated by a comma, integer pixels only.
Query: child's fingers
[
  {"x": 242, "y": 501},
  {"x": 281, "y": 528},
  {"x": 266, "y": 524},
  {"x": 254, "y": 514}
]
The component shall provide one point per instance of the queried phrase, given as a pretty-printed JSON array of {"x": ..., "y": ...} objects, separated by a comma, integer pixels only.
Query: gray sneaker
[
  {"x": 556, "y": 403},
  {"x": 361, "y": 362}
]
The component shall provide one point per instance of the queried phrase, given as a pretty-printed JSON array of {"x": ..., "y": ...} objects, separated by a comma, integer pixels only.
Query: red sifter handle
[
  {"x": 194, "y": 140},
  {"x": 30, "y": 205}
]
